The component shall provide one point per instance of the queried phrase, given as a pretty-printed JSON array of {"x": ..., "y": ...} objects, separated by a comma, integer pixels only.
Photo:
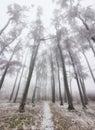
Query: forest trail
[
  {"x": 46, "y": 115},
  {"x": 47, "y": 123}
]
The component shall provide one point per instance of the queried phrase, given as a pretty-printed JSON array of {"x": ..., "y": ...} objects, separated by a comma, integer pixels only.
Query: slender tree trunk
[
  {"x": 2, "y": 30},
  {"x": 20, "y": 78},
  {"x": 88, "y": 66},
  {"x": 70, "y": 82},
  {"x": 39, "y": 90},
  {"x": 88, "y": 29},
  {"x": 65, "y": 96},
  {"x": 70, "y": 103},
  {"x": 91, "y": 46},
  {"x": 31, "y": 68},
  {"x": 81, "y": 95},
  {"x": 11, "y": 96},
  {"x": 77, "y": 79},
  {"x": 6, "y": 69},
  {"x": 84, "y": 23},
  {"x": 53, "y": 80},
  {"x": 82, "y": 86},
  {"x": 60, "y": 95},
  {"x": 6, "y": 45},
  {"x": 34, "y": 92},
  {"x": 83, "y": 90}
]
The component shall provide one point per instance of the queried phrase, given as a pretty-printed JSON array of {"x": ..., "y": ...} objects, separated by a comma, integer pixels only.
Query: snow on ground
[
  {"x": 47, "y": 116},
  {"x": 78, "y": 119},
  {"x": 10, "y": 119},
  {"x": 47, "y": 123}
]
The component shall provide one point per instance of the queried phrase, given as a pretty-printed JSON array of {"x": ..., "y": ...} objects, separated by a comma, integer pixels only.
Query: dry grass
[
  {"x": 69, "y": 120},
  {"x": 23, "y": 121}
]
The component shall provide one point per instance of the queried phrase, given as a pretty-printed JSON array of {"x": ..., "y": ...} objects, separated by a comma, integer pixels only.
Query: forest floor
[{"x": 46, "y": 116}]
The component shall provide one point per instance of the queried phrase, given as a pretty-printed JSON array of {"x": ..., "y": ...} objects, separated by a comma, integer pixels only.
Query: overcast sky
[{"x": 47, "y": 6}]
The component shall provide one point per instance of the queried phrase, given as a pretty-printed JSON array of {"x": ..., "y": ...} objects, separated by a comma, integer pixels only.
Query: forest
[{"x": 47, "y": 65}]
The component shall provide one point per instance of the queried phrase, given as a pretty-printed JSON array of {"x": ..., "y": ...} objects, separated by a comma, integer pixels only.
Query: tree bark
[
  {"x": 34, "y": 92},
  {"x": 91, "y": 46},
  {"x": 31, "y": 68},
  {"x": 11, "y": 96},
  {"x": 88, "y": 66},
  {"x": 60, "y": 95},
  {"x": 77, "y": 79},
  {"x": 84, "y": 91},
  {"x": 88, "y": 29},
  {"x": 20, "y": 78},
  {"x": 6, "y": 69},
  {"x": 70, "y": 103},
  {"x": 52, "y": 79},
  {"x": 2, "y": 30},
  {"x": 6, "y": 45}
]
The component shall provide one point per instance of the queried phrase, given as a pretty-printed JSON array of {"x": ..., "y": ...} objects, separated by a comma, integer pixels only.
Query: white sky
[
  {"x": 88, "y": 2},
  {"x": 47, "y": 6}
]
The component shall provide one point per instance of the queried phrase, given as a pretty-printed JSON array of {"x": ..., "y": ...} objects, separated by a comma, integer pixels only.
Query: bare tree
[
  {"x": 12, "y": 93},
  {"x": 60, "y": 95},
  {"x": 15, "y": 11},
  {"x": 14, "y": 51},
  {"x": 37, "y": 33},
  {"x": 23, "y": 67}
]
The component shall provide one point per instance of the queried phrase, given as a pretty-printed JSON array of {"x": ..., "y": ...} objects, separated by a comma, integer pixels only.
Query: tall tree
[
  {"x": 16, "y": 48},
  {"x": 15, "y": 12},
  {"x": 23, "y": 67},
  {"x": 60, "y": 95},
  {"x": 12, "y": 93},
  {"x": 52, "y": 78},
  {"x": 37, "y": 33},
  {"x": 70, "y": 103}
]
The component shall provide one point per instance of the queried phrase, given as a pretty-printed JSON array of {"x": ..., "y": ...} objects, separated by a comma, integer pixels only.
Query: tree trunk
[
  {"x": 31, "y": 68},
  {"x": 88, "y": 29},
  {"x": 20, "y": 78},
  {"x": 53, "y": 80},
  {"x": 70, "y": 103},
  {"x": 2, "y": 30},
  {"x": 84, "y": 89},
  {"x": 84, "y": 92},
  {"x": 6, "y": 69},
  {"x": 88, "y": 66},
  {"x": 60, "y": 95},
  {"x": 71, "y": 88},
  {"x": 34, "y": 92},
  {"x": 77, "y": 79},
  {"x": 11, "y": 96},
  {"x": 6, "y": 45},
  {"x": 84, "y": 23},
  {"x": 91, "y": 46}
]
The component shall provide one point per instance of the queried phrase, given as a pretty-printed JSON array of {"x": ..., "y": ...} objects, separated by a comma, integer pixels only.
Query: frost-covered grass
[
  {"x": 79, "y": 119},
  {"x": 12, "y": 120},
  {"x": 47, "y": 116}
]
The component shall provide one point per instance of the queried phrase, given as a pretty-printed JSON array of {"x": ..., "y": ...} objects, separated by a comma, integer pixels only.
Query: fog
[{"x": 47, "y": 16}]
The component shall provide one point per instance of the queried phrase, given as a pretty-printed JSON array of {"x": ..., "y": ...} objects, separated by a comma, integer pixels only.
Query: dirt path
[{"x": 47, "y": 123}]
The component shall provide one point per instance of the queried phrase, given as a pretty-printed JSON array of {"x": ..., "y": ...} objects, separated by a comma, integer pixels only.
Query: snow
[
  {"x": 47, "y": 116},
  {"x": 47, "y": 123},
  {"x": 8, "y": 105},
  {"x": 82, "y": 118}
]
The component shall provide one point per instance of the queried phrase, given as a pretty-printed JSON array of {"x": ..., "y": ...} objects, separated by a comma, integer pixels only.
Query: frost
[{"x": 47, "y": 123}]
